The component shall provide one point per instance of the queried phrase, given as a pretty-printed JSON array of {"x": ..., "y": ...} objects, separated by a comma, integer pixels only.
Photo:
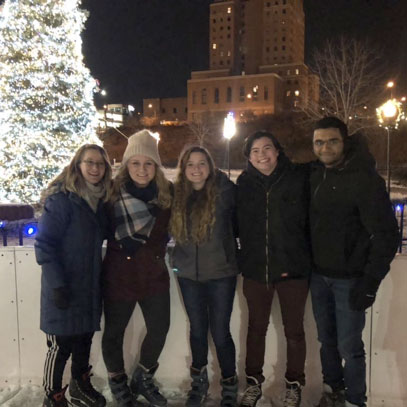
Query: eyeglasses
[
  {"x": 331, "y": 142},
  {"x": 91, "y": 164}
]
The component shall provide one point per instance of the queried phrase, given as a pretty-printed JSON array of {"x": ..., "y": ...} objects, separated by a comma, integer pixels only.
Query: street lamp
[
  {"x": 229, "y": 130},
  {"x": 389, "y": 115}
]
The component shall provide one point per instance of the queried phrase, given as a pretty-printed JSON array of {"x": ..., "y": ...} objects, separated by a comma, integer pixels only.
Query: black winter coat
[
  {"x": 215, "y": 258},
  {"x": 273, "y": 223},
  {"x": 68, "y": 246},
  {"x": 353, "y": 227}
]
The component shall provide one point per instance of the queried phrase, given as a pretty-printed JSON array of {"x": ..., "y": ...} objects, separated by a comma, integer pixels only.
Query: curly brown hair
[{"x": 202, "y": 212}]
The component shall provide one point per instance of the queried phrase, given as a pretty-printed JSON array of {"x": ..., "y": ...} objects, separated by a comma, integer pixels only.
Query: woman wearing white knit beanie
[{"x": 135, "y": 270}]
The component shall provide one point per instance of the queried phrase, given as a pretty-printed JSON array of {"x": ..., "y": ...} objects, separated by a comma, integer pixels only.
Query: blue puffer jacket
[{"x": 69, "y": 248}]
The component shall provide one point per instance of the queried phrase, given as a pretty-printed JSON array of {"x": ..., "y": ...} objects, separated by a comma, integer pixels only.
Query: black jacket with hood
[
  {"x": 353, "y": 227},
  {"x": 273, "y": 223}
]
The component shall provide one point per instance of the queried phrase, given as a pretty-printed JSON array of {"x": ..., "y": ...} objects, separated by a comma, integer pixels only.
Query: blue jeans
[
  {"x": 209, "y": 306},
  {"x": 340, "y": 334}
]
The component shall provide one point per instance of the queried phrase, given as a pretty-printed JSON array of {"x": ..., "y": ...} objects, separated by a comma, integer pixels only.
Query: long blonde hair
[
  {"x": 71, "y": 178},
  {"x": 201, "y": 216},
  {"x": 163, "y": 185}
]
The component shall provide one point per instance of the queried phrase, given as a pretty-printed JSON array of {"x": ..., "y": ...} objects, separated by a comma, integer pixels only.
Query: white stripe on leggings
[{"x": 48, "y": 381}]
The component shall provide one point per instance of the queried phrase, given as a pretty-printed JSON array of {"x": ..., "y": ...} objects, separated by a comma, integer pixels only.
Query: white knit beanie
[{"x": 142, "y": 143}]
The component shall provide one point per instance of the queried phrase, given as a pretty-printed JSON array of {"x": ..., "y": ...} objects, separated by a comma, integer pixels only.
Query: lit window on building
[
  {"x": 297, "y": 92},
  {"x": 296, "y": 103},
  {"x": 229, "y": 53},
  {"x": 229, "y": 94},
  {"x": 255, "y": 92},
  {"x": 288, "y": 93},
  {"x": 229, "y": 10},
  {"x": 297, "y": 71},
  {"x": 214, "y": 46},
  {"x": 288, "y": 72}
]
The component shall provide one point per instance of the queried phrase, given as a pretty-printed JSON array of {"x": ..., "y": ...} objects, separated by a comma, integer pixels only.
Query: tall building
[{"x": 256, "y": 60}]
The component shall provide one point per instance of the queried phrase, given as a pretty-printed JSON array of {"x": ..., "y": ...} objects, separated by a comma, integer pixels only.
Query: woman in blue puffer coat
[{"x": 69, "y": 249}]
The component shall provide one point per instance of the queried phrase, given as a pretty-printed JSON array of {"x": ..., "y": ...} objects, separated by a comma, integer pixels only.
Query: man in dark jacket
[{"x": 354, "y": 238}]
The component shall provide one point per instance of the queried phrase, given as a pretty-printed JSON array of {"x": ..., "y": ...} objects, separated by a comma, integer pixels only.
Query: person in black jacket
[
  {"x": 68, "y": 247},
  {"x": 272, "y": 209},
  {"x": 205, "y": 263},
  {"x": 354, "y": 237}
]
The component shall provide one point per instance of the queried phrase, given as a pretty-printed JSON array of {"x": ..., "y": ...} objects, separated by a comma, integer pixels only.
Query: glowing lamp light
[
  {"x": 389, "y": 114},
  {"x": 131, "y": 108},
  {"x": 30, "y": 230},
  {"x": 2, "y": 224},
  {"x": 229, "y": 126},
  {"x": 156, "y": 135},
  {"x": 398, "y": 208}
]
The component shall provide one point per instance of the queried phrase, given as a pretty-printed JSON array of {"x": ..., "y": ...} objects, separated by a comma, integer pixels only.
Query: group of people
[{"x": 327, "y": 226}]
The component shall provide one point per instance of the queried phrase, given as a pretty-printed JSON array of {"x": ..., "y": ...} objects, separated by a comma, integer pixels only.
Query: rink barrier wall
[{"x": 23, "y": 345}]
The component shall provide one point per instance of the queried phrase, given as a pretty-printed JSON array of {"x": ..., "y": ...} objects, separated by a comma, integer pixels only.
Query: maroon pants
[{"x": 292, "y": 295}]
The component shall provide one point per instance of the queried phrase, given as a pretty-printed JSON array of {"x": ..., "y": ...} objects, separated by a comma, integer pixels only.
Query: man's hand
[
  {"x": 363, "y": 294},
  {"x": 62, "y": 297}
]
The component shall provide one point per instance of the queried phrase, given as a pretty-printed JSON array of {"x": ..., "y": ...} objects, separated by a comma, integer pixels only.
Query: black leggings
[
  {"x": 156, "y": 313},
  {"x": 60, "y": 348}
]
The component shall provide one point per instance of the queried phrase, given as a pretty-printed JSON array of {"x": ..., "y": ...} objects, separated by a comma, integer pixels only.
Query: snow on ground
[{"x": 32, "y": 396}]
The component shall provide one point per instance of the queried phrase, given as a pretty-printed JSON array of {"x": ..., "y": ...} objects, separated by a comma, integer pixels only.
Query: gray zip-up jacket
[{"x": 215, "y": 258}]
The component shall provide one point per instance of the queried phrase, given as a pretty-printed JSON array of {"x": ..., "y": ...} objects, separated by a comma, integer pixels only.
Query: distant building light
[
  {"x": 213, "y": 46},
  {"x": 249, "y": 96},
  {"x": 150, "y": 105},
  {"x": 229, "y": 10},
  {"x": 297, "y": 93}
]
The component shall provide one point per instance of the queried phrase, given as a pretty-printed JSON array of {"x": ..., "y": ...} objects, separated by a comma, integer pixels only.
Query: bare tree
[
  {"x": 200, "y": 130},
  {"x": 351, "y": 82}
]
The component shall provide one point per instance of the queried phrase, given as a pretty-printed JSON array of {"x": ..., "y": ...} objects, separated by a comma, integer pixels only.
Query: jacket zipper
[
  {"x": 267, "y": 238},
  {"x": 196, "y": 261},
  {"x": 319, "y": 185},
  {"x": 315, "y": 194}
]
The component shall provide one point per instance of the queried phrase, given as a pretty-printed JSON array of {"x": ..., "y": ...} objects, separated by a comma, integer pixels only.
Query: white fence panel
[
  {"x": 389, "y": 338},
  {"x": 386, "y": 340},
  {"x": 9, "y": 354},
  {"x": 32, "y": 340}
]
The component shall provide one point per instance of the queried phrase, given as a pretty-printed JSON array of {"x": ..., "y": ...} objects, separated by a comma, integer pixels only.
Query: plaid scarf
[{"x": 133, "y": 218}]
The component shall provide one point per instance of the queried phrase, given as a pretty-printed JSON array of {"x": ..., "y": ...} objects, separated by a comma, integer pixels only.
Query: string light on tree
[{"x": 46, "y": 94}]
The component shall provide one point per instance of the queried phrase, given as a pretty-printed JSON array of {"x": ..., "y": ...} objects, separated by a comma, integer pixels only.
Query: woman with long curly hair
[
  {"x": 134, "y": 270},
  {"x": 69, "y": 249},
  {"x": 204, "y": 260}
]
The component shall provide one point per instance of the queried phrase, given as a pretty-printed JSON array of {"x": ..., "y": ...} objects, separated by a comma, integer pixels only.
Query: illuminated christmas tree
[{"x": 46, "y": 94}]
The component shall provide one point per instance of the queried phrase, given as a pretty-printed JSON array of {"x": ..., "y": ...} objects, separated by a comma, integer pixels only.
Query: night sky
[{"x": 147, "y": 48}]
